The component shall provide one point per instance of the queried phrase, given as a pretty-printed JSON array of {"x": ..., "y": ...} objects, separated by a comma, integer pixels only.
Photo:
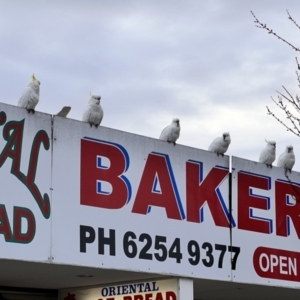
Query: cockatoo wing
[
  {"x": 86, "y": 114},
  {"x": 93, "y": 114},
  {"x": 29, "y": 99},
  {"x": 215, "y": 144},
  {"x": 290, "y": 161},
  {"x": 263, "y": 155},
  {"x": 286, "y": 160},
  {"x": 281, "y": 160},
  {"x": 165, "y": 134},
  {"x": 64, "y": 111},
  {"x": 267, "y": 156},
  {"x": 96, "y": 117}
]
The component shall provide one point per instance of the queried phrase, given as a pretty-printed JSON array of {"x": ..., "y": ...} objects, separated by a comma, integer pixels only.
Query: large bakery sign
[{"x": 121, "y": 201}]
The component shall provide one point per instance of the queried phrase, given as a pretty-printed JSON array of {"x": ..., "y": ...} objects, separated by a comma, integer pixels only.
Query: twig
[
  {"x": 287, "y": 127},
  {"x": 270, "y": 31},
  {"x": 290, "y": 17}
]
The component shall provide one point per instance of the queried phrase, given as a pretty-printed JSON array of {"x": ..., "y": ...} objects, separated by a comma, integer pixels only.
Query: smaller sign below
[{"x": 150, "y": 290}]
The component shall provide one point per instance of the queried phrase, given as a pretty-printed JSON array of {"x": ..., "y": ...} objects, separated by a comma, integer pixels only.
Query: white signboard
[
  {"x": 120, "y": 201},
  {"x": 266, "y": 210},
  {"x": 129, "y": 202},
  {"x": 151, "y": 290},
  {"x": 25, "y": 181}
]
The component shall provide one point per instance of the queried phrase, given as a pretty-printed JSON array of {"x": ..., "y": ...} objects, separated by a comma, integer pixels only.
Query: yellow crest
[{"x": 33, "y": 78}]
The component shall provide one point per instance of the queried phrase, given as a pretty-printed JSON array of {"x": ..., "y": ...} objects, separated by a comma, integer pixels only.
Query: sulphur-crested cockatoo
[
  {"x": 268, "y": 154},
  {"x": 171, "y": 132},
  {"x": 93, "y": 113},
  {"x": 64, "y": 111},
  {"x": 30, "y": 97},
  {"x": 220, "y": 144},
  {"x": 287, "y": 159}
]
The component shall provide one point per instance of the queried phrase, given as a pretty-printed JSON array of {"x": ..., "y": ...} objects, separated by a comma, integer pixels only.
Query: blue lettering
[
  {"x": 132, "y": 289},
  {"x": 154, "y": 287},
  {"x": 112, "y": 291},
  {"x": 124, "y": 289},
  {"x": 141, "y": 285},
  {"x": 104, "y": 292},
  {"x": 147, "y": 287}
]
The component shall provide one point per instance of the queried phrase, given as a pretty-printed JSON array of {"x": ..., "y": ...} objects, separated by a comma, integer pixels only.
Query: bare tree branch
[
  {"x": 290, "y": 17},
  {"x": 270, "y": 31},
  {"x": 297, "y": 63},
  {"x": 285, "y": 100},
  {"x": 295, "y": 131},
  {"x": 294, "y": 126},
  {"x": 294, "y": 102}
]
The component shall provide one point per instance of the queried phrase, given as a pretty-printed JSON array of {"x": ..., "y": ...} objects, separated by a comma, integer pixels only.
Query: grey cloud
[{"x": 202, "y": 61}]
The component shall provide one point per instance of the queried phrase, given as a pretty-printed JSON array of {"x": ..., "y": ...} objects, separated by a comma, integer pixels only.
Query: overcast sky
[{"x": 204, "y": 62}]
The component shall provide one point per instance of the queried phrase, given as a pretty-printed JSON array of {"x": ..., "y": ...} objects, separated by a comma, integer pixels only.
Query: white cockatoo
[
  {"x": 171, "y": 132},
  {"x": 220, "y": 144},
  {"x": 93, "y": 113},
  {"x": 287, "y": 159},
  {"x": 268, "y": 154},
  {"x": 30, "y": 97},
  {"x": 64, "y": 111}
]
